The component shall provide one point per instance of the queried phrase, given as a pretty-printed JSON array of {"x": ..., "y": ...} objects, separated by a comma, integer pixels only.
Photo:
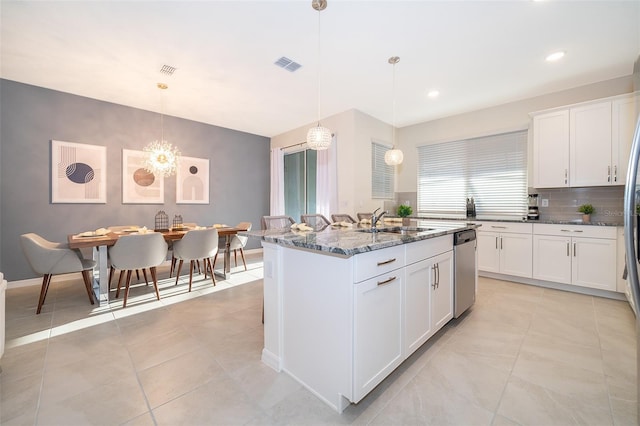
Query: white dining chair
[
  {"x": 112, "y": 270},
  {"x": 197, "y": 244},
  {"x": 49, "y": 258},
  {"x": 138, "y": 251},
  {"x": 316, "y": 221},
  {"x": 342, "y": 217},
  {"x": 236, "y": 244},
  {"x": 277, "y": 222}
]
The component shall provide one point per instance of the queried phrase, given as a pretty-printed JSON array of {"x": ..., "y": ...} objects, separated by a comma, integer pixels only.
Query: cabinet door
[
  {"x": 516, "y": 251},
  {"x": 594, "y": 263},
  {"x": 417, "y": 303},
  {"x": 551, "y": 149},
  {"x": 442, "y": 291},
  {"x": 488, "y": 251},
  {"x": 377, "y": 331},
  {"x": 624, "y": 113},
  {"x": 590, "y": 145},
  {"x": 552, "y": 258}
]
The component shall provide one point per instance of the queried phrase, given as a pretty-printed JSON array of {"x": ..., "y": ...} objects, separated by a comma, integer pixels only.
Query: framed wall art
[
  {"x": 139, "y": 186},
  {"x": 192, "y": 181},
  {"x": 78, "y": 173}
]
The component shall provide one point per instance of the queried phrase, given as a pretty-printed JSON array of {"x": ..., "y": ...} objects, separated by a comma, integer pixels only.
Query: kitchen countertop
[
  {"x": 511, "y": 219},
  {"x": 347, "y": 242}
]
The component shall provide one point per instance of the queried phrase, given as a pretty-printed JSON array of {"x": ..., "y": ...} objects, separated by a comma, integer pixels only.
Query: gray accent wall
[{"x": 30, "y": 117}]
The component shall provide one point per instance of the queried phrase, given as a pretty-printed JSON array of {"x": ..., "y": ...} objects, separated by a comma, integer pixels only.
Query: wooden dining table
[{"x": 100, "y": 243}]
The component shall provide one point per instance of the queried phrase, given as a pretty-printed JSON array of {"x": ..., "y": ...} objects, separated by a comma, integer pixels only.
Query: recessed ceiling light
[
  {"x": 433, "y": 94},
  {"x": 555, "y": 56}
]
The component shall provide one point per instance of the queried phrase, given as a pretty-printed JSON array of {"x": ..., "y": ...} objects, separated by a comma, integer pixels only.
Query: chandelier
[
  {"x": 394, "y": 156},
  {"x": 319, "y": 137},
  {"x": 161, "y": 157}
]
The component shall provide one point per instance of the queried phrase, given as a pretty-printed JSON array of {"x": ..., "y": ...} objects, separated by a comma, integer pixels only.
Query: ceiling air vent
[
  {"x": 167, "y": 70},
  {"x": 287, "y": 64}
]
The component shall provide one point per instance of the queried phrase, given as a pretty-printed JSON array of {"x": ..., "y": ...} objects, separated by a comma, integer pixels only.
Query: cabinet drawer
[
  {"x": 589, "y": 231},
  {"x": 425, "y": 249},
  {"x": 513, "y": 227},
  {"x": 368, "y": 265}
]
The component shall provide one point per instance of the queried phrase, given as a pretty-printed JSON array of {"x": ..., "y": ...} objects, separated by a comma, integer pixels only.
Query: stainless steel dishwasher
[{"x": 464, "y": 257}]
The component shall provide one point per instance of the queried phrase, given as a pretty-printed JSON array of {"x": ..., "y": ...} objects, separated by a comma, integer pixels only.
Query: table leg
[
  {"x": 226, "y": 268},
  {"x": 101, "y": 275}
]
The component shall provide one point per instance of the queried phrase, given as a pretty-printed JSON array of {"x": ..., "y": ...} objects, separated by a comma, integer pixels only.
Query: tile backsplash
[
  {"x": 608, "y": 202},
  {"x": 563, "y": 203}
]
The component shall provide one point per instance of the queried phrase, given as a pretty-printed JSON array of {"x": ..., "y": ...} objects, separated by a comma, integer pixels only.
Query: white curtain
[
  {"x": 277, "y": 182},
  {"x": 327, "y": 180}
]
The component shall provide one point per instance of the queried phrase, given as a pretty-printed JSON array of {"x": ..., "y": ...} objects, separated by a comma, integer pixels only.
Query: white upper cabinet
[
  {"x": 551, "y": 149},
  {"x": 584, "y": 145},
  {"x": 590, "y": 145}
]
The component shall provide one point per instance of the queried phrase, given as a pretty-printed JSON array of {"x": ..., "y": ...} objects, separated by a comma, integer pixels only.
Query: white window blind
[
  {"x": 491, "y": 169},
  {"x": 381, "y": 173}
]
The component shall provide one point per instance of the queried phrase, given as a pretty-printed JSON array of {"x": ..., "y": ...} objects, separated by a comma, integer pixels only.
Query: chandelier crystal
[
  {"x": 161, "y": 157},
  {"x": 319, "y": 137}
]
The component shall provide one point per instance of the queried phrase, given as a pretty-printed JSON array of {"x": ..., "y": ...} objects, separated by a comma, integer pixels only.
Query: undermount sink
[{"x": 401, "y": 230}]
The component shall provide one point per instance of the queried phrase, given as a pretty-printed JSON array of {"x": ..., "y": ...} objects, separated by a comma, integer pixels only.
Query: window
[
  {"x": 492, "y": 170},
  {"x": 381, "y": 173}
]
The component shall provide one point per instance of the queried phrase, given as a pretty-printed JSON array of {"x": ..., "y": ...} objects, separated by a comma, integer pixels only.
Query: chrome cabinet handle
[
  {"x": 608, "y": 173},
  {"x": 438, "y": 275},
  {"x": 566, "y": 175},
  {"x": 496, "y": 243},
  {"x": 435, "y": 280},
  {"x": 568, "y": 254},
  {"x": 386, "y": 281},
  {"x": 574, "y": 249},
  {"x": 498, "y": 227},
  {"x": 500, "y": 243},
  {"x": 386, "y": 262},
  {"x": 615, "y": 173}
]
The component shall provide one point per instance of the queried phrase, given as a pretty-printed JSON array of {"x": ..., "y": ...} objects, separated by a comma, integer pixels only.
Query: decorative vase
[
  {"x": 406, "y": 221},
  {"x": 586, "y": 218}
]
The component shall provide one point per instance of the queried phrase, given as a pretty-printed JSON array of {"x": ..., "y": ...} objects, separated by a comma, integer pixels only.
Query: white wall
[
  {"x": 354, "y": 131},
  {"x": 499, "y": 119}
]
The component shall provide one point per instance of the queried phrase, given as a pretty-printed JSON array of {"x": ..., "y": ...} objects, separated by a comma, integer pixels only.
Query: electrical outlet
[{"x": 545, "y": 202}]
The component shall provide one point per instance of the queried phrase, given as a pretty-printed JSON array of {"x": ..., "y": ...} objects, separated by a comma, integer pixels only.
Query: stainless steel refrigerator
[{"x": 631, "y": 228}]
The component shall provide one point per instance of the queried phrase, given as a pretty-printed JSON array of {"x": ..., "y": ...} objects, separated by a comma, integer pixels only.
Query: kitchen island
[{"x": 344, "y": 307}]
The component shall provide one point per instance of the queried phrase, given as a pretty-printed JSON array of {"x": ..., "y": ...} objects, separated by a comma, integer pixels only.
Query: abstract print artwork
[
  {"x": 78, "y": 173},
  {"x": 192, "y": 181},
  {"x": 139, "y": 186}
]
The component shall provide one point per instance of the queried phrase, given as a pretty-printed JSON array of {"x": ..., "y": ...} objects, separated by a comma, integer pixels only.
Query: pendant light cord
[
  {"x": 319, "y": 11},
  {"x": 393, "y": 103}
]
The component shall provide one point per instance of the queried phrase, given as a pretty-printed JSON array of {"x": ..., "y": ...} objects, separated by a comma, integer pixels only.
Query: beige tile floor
[{"x": 522, "y": 356}]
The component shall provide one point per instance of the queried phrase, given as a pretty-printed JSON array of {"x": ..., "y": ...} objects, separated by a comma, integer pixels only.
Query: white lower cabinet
[
  {"x": 377, "y": 330},
  {"x": 505, "y": 248},
  {"x": 428, "y": 299},
  {"x": 573, "y": 254}
]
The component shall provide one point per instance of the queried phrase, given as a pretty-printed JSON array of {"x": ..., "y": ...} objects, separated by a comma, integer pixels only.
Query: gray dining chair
[
  {"x": 277, "y": 222},
  {"x": 49, "y": 258},
  {"x": 364, "y": 216},
  {"x": 138, "y": 251},
  {"x": 316, "y": 221},
  {"x": 342, "y": 217},
  {"x": 236, "y": 244},
  {"x": 197, "y": 244}
]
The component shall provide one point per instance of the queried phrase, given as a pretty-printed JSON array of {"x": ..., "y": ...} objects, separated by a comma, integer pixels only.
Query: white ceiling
[{"x": 476, "y": 53}]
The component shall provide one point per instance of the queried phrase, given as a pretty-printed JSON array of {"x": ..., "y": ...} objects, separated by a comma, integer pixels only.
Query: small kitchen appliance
[{"x": 533, "y": 213}]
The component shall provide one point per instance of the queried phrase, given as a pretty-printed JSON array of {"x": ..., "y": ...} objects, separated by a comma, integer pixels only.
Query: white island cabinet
[{"x": 339, "y": 325}]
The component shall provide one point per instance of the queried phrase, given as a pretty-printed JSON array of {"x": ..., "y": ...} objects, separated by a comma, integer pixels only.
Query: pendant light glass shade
[
  {"x": 161, "y": 157},
  {"x": 394, "y": 156},
  {"x": 319, "y": 137}
]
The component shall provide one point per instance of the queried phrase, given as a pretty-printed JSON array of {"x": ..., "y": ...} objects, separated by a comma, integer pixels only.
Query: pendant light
[
  {"x": 161, "y": 156},
  {"x": 394, "y": 156},
  {"x": 319, "y": 137}
]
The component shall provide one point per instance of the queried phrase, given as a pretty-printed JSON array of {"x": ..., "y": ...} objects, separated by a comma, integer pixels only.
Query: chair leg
[
  {"x": 86, "y": 276},
  {"x": 235, "y": 257},
  {"x": 112, "y": 271},
  {"x": 178, "y": 273},
  {"x": 192, "y": 265},
  {"x": 119, "y": 283},
  {"x": 155, "y": 281},
  {"x": 173, "y": 266},
  {"x": 208, "y": 264},
  {"x": 138, "y": 274},
  {"x": 46, "y": 279},
  {"x": 144, "y": 272},
  {"x": 243, "y": 260},
  {"x": 126, "y": 289},
  {"x": 214, "y": 261}
]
